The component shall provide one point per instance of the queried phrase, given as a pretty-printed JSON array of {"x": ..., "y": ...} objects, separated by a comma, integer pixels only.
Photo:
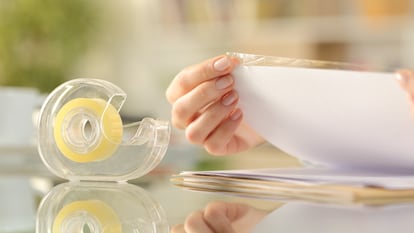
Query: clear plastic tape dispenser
[
  {"x": 82, "y": 136},
  {"x": 82, "y": 139}
]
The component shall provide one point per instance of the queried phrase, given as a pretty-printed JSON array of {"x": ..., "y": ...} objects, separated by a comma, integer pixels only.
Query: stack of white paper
[{"x": 312, "y": 184}]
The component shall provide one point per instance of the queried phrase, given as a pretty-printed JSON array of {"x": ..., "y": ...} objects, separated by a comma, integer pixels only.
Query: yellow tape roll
[
  {"x": 93, "y": 213},
  {"x": 87, "y": 130}
]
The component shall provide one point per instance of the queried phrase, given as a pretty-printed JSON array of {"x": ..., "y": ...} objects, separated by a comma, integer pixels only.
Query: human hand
[
  {"x": 221, "y": 217},
  {"x": 204, "y": 103},
  {"x": 406, "y": 79}
]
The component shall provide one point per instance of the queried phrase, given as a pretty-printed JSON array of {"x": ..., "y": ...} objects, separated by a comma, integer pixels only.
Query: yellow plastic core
[
  {"x": 87, "y": 130},
  {"x": 93, "y": 214}
]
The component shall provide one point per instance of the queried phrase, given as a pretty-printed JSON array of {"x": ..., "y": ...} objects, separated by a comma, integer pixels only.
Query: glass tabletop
[{"x": 35, "y": 201}]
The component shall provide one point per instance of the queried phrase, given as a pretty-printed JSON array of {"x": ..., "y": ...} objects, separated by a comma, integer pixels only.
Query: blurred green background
[{"x": 41, "y": 40}]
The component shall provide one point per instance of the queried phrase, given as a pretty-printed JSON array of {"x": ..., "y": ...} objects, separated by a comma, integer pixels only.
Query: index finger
[{"x": 192, "y": 76}]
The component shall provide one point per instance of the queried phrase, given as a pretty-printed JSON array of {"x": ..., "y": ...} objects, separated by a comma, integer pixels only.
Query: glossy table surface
[{"x": 31, "y": 197}]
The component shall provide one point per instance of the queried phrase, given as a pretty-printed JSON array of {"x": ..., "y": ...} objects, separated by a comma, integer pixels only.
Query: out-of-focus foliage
[{"x": 41, "y": 40}]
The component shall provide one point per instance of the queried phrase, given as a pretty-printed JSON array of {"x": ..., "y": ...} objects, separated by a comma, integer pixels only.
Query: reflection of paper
[
  {"x": 345, "y": 119},
  {"x": 311, "y": 218}
]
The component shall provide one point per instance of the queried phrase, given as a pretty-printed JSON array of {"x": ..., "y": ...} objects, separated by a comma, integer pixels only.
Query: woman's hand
[
  {"x": 221, "y": 217},
  {"x": 204, "y": 103},
  {"x": 406, "y": 79}
]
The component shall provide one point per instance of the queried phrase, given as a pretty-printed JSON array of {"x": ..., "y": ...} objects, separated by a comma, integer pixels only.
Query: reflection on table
[
  {"x": 100, "y": 207},
  {"x": 316, "y": 218},
  {"x": 298, "y": 217},
  {"x": 157, "y": 206}
]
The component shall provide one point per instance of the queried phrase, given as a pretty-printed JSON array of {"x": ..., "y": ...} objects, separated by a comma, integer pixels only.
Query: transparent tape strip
[{"x": 263, "y": 60}]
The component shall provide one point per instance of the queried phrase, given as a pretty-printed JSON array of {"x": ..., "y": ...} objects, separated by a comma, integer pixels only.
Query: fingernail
[
  {"x": 224, "y": 82},
  {"x": 399, "y": 77},
  {"x": 229, "y": 98},
  {"x": 404, "y": 76},
  {"x": 222, "y": 64},
  {"x": 236, "y": 114}
]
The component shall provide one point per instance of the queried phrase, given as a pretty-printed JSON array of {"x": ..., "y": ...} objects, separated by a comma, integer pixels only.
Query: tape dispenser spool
[
  {"x": 100, "y": 207},
  {"x": 82, "y": 136}
]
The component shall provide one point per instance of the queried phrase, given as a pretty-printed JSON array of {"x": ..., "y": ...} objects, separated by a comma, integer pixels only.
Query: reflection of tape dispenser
[
  {"x": 81, "y": 135},
  {"x": 100, "y": 207},
  {"x": 87, "y": 214}
]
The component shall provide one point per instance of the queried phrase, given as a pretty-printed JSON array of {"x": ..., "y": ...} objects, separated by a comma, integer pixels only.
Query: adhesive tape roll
[
  {"x": 94, "y": 214},
  {"x": 87, "y": 130}
]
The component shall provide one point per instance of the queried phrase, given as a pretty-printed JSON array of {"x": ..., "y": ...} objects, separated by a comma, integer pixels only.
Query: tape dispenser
[{"x": 82, "y": 135}]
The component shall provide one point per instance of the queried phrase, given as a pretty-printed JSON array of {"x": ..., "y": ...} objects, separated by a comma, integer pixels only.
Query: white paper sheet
[{"x": 345, "y": 119}]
